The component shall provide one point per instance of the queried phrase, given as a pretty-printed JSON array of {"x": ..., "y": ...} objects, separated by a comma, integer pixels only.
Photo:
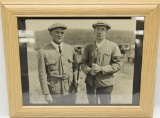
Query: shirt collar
[
  {"x": 100, "y": 44},
  {"x": 56, "y": 45}
]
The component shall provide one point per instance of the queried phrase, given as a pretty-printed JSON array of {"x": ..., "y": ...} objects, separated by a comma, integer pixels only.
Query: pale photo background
[
  {"x": 80, "y": 32},
  {"x": 4, "y": 113}
]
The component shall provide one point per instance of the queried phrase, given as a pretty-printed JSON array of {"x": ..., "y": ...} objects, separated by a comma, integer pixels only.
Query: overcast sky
[{"x": 116, "y": 24}]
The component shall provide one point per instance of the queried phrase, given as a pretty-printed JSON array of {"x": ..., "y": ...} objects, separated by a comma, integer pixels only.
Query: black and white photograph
[{"x": 79, "y": 61}]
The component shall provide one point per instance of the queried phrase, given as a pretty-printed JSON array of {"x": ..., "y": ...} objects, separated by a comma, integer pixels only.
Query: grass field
[{"x": 122, "y": 92}]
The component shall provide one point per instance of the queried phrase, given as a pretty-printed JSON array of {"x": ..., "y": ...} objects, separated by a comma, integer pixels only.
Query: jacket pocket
[
  {"x": 51, "y": 65},
  {"x": 106, "y": 59},
  {"x": 54, "y": 86}
]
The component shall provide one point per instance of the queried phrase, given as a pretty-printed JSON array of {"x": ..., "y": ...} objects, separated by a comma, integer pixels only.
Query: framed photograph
[{"x": 76, "y": 59}]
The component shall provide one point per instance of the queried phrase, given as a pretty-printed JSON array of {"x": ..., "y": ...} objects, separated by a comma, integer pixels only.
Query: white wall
[
  {"x": 3, "y": 84},
  {"x": 4, "y": 113}
]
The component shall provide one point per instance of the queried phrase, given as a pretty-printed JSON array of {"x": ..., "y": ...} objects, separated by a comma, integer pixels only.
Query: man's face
[
  {"x": 57, "y": 35},
  {"x": 100, "y": 32}
]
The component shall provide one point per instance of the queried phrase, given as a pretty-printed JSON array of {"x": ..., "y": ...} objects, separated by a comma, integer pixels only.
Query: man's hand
[
  {"x": 96, "y": 67},
  {"x": 48, "y": 98},
  {"x": 92, "y": 72}
]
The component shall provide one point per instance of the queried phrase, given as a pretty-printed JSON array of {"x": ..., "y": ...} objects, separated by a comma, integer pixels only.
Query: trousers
[
  {"x": 69, "y": 99},
  {"x": 103, "y": 93}
]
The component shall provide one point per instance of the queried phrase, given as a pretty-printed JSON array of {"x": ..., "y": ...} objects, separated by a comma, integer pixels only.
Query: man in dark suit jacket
[{"x": 57, "y": 65}]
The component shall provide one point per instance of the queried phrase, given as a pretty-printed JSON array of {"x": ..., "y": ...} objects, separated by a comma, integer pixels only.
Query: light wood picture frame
[{"x": 149, "y": 9}]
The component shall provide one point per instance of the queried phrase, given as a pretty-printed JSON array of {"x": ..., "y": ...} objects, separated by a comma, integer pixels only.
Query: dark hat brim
[{"x": 49, "y": 29}]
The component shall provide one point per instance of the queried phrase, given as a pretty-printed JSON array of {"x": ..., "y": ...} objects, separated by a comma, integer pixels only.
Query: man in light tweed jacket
[
  {"x": 100, "y": 60},
  {"x": 57, "y": 65}
]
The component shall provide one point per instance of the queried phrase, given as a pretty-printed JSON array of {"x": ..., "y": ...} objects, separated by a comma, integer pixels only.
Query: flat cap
[
  {"x": 57, "y": 25},
  {"x": 100, "y": 23}
]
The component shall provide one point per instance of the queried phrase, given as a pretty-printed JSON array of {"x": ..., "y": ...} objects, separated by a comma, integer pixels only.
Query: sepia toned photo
[{"x": 80, "y": 61}]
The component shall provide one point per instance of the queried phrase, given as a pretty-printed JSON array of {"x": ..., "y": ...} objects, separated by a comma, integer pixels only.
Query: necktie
[{"x": 60, "y": 51}]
